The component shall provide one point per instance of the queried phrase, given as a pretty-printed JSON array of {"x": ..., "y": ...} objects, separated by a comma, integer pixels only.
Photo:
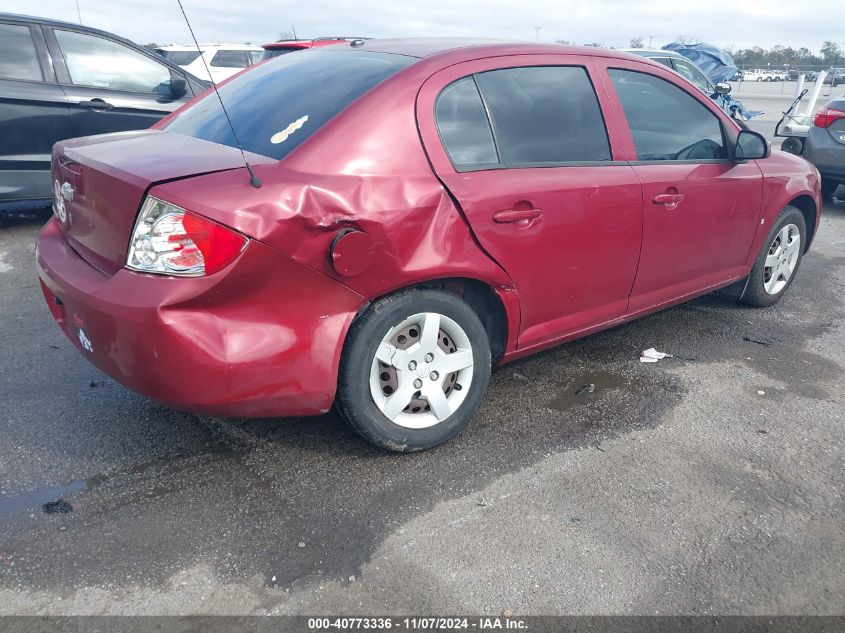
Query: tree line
[{"x": 829, "y": 55}]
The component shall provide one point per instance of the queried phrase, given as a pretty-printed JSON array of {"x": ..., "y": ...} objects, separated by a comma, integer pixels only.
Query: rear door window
[
  {"x": 666, "y": 122},
  {"x": 275, "y": 52},
  {"x": 180, "y": 58},
  {"x": 229, "y": 59},
  {"x": 275, "y": 107},
  {"x": 464, "y": 127},
  {"x": 18, "y": 59},
  {"x": 544, "y": 115}
]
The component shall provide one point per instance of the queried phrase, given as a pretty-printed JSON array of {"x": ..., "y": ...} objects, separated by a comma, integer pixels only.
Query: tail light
[
  {"x": 826, "y": 117},
  {"x": 169, "y": 240}
]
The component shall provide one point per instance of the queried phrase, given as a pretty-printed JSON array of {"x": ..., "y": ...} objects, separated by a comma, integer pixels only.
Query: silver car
[
  {"x": 825, "y": 145},
  {"x": 680, "y": 65}
]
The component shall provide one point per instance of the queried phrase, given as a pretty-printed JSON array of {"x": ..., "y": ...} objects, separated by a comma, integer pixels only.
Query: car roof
[
  {"x": 652, "y": 52},
  {"x": 309, "y": 43},
  {"x": 461, "y": 49},
  {"x": 208, "y": 47}
]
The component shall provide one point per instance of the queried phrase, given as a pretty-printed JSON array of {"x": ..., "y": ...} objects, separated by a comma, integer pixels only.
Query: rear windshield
[
  {"x": 270, "y": 53},
  {"x": 180, "y": 58},
  {"x": 277, "y": 105}
]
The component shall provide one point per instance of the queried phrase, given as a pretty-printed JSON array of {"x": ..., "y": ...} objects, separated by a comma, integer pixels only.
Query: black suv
[{"x": 60, "y": 80}]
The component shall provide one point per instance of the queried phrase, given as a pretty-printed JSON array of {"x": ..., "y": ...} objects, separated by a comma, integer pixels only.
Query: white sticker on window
[{"x": 281, "y": 137}]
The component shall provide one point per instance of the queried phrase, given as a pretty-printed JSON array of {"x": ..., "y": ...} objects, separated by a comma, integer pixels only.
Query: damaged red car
[{"x": 405, "y": 215}]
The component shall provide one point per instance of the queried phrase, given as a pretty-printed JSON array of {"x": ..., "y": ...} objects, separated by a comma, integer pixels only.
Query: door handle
[
  {"x": 668, "y": 200},
  {"x": 96, "y": 104},
  {"x": 523, "y": 217}
]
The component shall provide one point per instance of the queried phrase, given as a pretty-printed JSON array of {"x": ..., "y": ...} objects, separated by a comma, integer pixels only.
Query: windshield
[
  {"x": 277, "y": 105},
  {"x": 180, "y": 58},
  {"x": 275, "y": 52}
]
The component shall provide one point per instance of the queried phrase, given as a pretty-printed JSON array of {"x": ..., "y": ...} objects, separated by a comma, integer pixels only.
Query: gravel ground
[{"x": 707, "y": 483}]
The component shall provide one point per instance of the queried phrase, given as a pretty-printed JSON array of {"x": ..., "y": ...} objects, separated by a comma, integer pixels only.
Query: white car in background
[
  {"x": 754, "y": 75},
  {"x": 221, "y": 60},
  {"x": 758, "y": 74}
]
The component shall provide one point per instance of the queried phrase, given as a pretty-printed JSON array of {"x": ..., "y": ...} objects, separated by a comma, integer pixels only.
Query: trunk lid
[{"x": 102, "y": 181}]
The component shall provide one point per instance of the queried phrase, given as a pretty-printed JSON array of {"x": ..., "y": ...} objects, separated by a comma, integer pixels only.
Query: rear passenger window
[
  {"x": 545, "y": 115},
  {"x": 463, "y": 125},
  {"x": 229, "y": 59},
  {"x": 667, "y": 123},
  {"x": 17, "y": 54}
]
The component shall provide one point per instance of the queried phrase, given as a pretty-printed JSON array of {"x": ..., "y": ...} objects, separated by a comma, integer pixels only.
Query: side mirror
[
  {"x": 723, "y": 88},
  {"x": 178, "y": 86},
  {"x": 751, "y": 146}
]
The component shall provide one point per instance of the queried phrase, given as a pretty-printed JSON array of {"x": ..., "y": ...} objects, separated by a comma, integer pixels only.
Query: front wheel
[
  {"x": 778, "y": 261},
  {"x": 414, "y": 370}
]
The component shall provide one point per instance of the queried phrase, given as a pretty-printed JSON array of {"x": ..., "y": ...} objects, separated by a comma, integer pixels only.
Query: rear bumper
[
  {"x": 261, "y": 338},
  {"x": 825, "y": 153},
  {"x": 834, "y": 172}
]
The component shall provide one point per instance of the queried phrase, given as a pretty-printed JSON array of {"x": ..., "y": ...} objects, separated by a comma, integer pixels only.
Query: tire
[
  {"x": 401, "y": 325},
  {"x": 762, "y": 289},
  {"x": 759, "y": 79},
  {"x": 793, "y": 145},
  {"x": 829, "y": 187}
]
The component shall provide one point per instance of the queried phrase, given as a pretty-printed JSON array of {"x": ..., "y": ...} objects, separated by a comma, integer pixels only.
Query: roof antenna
[{"x": 253, "y": 179}]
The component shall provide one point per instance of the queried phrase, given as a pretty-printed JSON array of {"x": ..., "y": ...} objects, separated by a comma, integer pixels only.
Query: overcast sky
[{"x": 739, "y": 23}]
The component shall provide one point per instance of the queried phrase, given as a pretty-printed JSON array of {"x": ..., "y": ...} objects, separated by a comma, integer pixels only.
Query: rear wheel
[
  {"x": 414, "y": 370},
  {"x": 778, "y": 261}
]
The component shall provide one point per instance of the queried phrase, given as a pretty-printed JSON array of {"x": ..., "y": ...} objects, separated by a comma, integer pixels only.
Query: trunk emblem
[{"x": 61, "y": 194}]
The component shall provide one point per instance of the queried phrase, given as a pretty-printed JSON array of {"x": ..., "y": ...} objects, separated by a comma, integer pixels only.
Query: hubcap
[
  {"x": 781, "y": 259},
  {"x": 422, "y": 370}
]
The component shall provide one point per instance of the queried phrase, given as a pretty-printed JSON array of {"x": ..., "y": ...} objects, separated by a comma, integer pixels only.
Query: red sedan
[
  {"x": 283, "y": 47},
  {"x": 420, "y": 211}
]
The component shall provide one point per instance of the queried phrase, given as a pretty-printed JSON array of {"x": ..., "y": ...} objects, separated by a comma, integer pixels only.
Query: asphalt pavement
[{"x": 707, "y": 483}]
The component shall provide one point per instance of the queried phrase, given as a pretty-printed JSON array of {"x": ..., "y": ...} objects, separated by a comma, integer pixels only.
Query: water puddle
[
  {"x": 33, "y": 500},
  {"x": 586, "y": 387}
]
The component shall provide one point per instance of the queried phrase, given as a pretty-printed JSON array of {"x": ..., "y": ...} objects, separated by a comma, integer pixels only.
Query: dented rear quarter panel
[{"x": 365, "y": 169}]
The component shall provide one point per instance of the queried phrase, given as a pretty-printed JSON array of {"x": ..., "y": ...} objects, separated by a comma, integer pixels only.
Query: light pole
[
  {"x": 537, "y": 32},
  {"x": 650, "y": 37}
]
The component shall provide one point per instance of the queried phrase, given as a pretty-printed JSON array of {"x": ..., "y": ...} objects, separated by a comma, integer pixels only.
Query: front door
[
  {"x": 526, "y": 152},
  {"x": 111, "y": 87},
  {"x": 701, "y": 208}
]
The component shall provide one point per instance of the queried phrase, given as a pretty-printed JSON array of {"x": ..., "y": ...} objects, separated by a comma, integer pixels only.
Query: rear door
[
  {"x": 701, "y": 208},
  {"x": 226, "y": 62},
  {"x": 522, "y": 144},
  {"x": 33, "y": 113},
  {"x": 110, "y": 86}
]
